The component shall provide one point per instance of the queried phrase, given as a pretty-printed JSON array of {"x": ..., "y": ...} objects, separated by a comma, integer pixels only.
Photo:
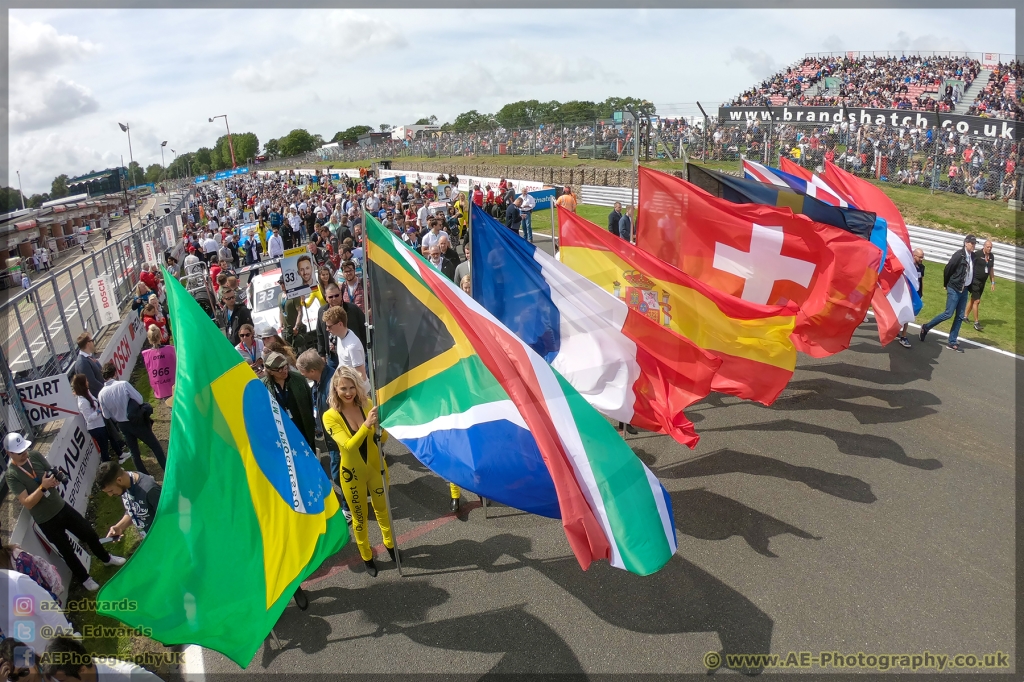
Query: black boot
[
  {"x": 371, "y": 568},
  {"x": 300, "y": 599},
  {"x": 393, "y": 552},
  {"x": 456, "y": 504}
]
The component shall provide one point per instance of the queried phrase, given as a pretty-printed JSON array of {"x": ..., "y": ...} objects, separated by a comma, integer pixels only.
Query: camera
[{"x": 58, "y": 474}]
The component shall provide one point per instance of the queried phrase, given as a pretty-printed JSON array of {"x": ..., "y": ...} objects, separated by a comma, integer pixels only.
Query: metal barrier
[
  {"x": 43, "y": 321},
  {"x": 937, "y": 245}
]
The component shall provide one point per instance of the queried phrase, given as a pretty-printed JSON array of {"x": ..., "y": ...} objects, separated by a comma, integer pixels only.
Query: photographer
[{"x": 32, "y": 480}]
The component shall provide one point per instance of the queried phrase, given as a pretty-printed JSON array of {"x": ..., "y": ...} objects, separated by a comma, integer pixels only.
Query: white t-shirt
[
  {"x": 429, "y": 239},
  {"x": 350, "y": 351}
]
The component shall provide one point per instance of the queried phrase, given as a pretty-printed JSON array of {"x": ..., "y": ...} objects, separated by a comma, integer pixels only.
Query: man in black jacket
[
  {"x": 356, "y": 322},
  {"x": 232, "y": 315},
  {"x": 292, "y": 393},
  {"x": 614, "y": 217},
  {"x": 957, "y": 278}
]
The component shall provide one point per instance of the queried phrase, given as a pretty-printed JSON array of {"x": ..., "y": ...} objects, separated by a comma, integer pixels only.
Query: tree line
[{"x": 205, "y": 160}]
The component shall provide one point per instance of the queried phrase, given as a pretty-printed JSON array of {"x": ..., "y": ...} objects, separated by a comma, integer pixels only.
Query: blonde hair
[
  {"x": 154, "y": 335},
  {"x": 346, "y": 372}
]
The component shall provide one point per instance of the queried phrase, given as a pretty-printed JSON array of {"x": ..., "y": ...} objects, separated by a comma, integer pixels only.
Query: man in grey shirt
[{"x": 139, "y": 493}]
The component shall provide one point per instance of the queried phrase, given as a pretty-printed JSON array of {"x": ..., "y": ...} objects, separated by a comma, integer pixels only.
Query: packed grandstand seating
[
  {"x": 1001, "y": 97},
  {"x": 907, "y": 82}
]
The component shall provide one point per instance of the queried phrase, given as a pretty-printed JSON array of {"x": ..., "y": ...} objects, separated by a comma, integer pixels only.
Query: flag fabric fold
[
  {"x": 743, "y": 191},
  {"x": 753, "y": 341},
  {"x": 629, "y": 367},
  {"x": 898, "y": 281},
  {"x": 763, "y": 254},
  {"x": 479, "y": 407},
  {"x": 246, "y": 512}
]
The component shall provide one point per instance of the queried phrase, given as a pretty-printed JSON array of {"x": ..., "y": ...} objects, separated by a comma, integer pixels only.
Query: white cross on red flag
[{"x": 763, "y": 254}]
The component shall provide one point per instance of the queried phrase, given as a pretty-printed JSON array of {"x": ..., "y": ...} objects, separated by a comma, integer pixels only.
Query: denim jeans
[
  {"x": 528, "y": 226},
  {"x": 956, "y": 303}
]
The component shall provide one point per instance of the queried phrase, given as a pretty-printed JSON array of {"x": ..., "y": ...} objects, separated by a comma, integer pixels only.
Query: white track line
[
  {"x": 193, "y": 669},
  {"x": 973, "y": 343}
]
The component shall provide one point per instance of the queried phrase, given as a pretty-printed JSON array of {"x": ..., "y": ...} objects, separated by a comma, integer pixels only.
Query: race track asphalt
[{"x": 870, "y": 509}]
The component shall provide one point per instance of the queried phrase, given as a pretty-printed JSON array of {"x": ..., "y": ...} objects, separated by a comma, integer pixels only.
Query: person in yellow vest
[{"x": 351, "y": 422}]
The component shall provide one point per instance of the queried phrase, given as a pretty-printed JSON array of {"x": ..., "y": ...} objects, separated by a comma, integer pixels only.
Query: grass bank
[{"x": 919, "y": 206}]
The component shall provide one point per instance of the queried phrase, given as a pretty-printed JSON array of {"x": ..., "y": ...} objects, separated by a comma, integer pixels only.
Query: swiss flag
[{"x": 762, "y": 254}]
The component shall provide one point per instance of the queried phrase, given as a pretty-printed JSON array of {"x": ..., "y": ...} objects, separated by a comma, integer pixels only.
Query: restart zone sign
[{"x": 977, "y": 126}]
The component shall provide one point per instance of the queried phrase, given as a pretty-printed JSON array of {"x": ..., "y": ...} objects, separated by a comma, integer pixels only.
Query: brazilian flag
[{"x": 246, "y": 511}]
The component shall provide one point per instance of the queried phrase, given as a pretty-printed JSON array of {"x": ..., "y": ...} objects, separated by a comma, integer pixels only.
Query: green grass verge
[
  {"x": 997, "y": 314},
  {"x": 102, "y": 513},
  {"x": 919, "y": 206}
]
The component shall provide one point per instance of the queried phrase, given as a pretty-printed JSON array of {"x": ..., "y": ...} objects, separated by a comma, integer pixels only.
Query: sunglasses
[{"x": 244, "y": 335}]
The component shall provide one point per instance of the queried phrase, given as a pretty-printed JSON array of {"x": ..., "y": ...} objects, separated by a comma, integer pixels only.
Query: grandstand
[
  {"x": 924, "y": 83},
  {"x": 1000, "y": 98}
]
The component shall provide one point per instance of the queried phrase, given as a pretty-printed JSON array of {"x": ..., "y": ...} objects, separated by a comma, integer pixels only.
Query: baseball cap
[
  {"x": 16, "y": 443},
  {"x": 275, "y": 360},
  {"x": 265, "y": 331},
  {"x": 971, "y": 239}
]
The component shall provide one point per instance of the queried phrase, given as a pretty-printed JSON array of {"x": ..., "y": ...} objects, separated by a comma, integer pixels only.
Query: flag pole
[
  {"x": 373, "y": 386},
  {"x": 468, "y": 246}
]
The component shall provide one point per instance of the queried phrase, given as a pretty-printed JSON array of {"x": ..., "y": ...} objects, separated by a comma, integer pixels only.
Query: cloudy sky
[{"x": 75, "y": 73}]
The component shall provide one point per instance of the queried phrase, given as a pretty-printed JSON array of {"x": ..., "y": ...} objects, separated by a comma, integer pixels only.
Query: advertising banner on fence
[
  {"x": 178, "y": 222},
  {"x": 44, "y": 400},
  {"x": 979, "y": 126},
  {"x": 74, "y": 453},
  {"x": 105, "y": 299},
  {"x": 149, "y": 252},
  {"x": 298, "y": 271},
  {"x": 124, "y": 347},
  {"x": 169, "y": 235}
]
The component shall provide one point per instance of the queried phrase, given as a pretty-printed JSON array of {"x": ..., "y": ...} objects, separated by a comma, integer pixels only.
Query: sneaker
[
  {"x": 904, "y": 341},
  {"x": 348, "y": 516},
  {"x": 115, "y": 561},
  {"x": 977, "y": 327},
  {"x": 956, "y": 347},
  {"x": 91, "y": 585},
  {"x": 125, "y": 456},
  {"x": 924, "y": 332}
]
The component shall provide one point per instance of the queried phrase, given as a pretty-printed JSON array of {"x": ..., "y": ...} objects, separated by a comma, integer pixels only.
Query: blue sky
[{"x": 75, "y": 73}]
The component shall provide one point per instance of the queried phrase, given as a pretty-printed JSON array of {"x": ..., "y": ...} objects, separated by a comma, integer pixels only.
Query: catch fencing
[{"x": 41, "y": 324}]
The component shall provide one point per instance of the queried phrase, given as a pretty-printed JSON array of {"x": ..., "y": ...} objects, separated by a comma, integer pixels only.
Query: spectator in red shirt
[
  {"x": 148, "y": 277},
  {"x": 478, "y": 196}
]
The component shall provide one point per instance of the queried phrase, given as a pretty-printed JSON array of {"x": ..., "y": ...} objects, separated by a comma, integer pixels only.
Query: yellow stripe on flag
[
  {"x": 286, "y": 534},
  {"x": 691, "y": 314}
]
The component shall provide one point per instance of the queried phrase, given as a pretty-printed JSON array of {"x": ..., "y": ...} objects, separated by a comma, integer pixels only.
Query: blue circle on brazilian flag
[{"x": 301, "y": 483}]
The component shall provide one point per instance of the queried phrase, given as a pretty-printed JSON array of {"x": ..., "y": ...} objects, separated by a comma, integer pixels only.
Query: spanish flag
[
  {"x": 246, "y": 512},
  {"x": 753, "y": 340}
]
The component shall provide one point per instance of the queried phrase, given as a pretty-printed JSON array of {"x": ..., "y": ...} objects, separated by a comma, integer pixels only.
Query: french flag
[{"x": 626, "y": 365}]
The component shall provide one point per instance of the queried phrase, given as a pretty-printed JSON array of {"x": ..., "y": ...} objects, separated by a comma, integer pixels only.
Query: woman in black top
[{"x": 984, "y": 270}]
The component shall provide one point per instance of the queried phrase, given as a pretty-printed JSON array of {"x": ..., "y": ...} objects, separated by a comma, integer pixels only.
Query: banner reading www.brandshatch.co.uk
[{"x": 976, "y": 126}]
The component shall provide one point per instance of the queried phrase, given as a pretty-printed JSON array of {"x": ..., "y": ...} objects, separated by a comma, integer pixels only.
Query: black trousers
[
  {"x": 56, "y": 530},
  {"x": 133, "y": 434}
]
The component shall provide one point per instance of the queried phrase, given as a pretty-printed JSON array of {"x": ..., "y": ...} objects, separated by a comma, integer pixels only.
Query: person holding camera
[{"x": 32, "y": 481}]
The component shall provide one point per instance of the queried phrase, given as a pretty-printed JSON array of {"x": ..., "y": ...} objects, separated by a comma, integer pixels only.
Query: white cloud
[
  {"x": 37, "y": 48},
  {"x": 49, "y": 103},
  {"x": 39, "y": 99},
  {"x": 40, "y": 158},
  {"x": 759, "y": 63},
  {"x": 349, "y": 32}
]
